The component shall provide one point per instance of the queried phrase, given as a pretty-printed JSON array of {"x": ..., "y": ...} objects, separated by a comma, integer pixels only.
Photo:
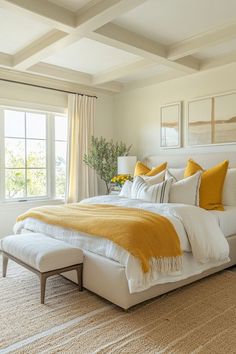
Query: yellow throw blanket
[{"x": 144, "y": 234}]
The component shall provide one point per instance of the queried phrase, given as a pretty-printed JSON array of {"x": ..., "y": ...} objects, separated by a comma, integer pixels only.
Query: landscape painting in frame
[
  {"x": 212, "y": 120},
  {"x": 171, "y": 125},
  {"x": 199, "y": 122},
  {"x": 224, "y": 129}
]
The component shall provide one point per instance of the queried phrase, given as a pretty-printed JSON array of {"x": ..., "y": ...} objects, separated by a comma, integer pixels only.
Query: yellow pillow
[
  {"x": 141, "y": 169},
  {"x": 212, "y": 184}
]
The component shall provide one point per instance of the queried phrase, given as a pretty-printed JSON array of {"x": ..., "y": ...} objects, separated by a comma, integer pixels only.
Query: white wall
[
  {"x": 132, "y": 116},
  {"x": 45, "y": 98},
  {"x": 137, "y": 112}
]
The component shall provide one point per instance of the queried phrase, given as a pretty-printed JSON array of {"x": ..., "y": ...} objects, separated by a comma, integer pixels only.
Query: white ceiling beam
[
  {"x": 37, "y": 50},
  {"x": 73, "y": 76},
  {"x": 121, "y": 71},
  {"x": 58, "y": 72},
  {"x": 197, "y": 43},
  {"x": 41, "y": 80},
  {"x": 6, "y": 60},
  {"x": 121, "y": 38},
  {"x": 86, "y": 21},
  {"x": 43, "y": 11},
  {"x": 103, "y": 12}
]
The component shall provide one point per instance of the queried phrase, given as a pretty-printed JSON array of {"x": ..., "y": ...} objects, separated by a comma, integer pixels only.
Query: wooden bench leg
[
  {"x": 80, "y": 277},
  {"x": 43, "y": 280},
  {"x": 4, "y": 265}
]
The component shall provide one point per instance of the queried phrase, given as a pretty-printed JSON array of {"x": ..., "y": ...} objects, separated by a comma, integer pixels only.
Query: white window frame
[{"x": 50, "y": 149}]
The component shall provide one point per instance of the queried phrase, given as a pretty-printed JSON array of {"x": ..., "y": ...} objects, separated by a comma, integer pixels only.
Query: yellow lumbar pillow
[
  {"x": 212, "y": 183},
  {"x": 141, "y": 169}
]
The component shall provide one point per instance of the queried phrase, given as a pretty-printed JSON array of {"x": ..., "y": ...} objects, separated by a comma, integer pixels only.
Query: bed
[{"x": 110, "y": 276}]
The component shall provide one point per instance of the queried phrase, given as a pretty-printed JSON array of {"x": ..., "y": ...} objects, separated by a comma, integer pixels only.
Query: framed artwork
[
  {"x": 171, "y": 125},
  {"x": 212, "y": 120}
]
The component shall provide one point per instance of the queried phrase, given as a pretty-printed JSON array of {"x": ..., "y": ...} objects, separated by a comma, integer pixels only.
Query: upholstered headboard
[{"x": 206, "y": 160}]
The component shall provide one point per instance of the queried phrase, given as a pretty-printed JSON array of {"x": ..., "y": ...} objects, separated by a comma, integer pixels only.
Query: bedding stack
[
  {"x": 155, "y": 228},
  {"x": 210, "y": 189}
]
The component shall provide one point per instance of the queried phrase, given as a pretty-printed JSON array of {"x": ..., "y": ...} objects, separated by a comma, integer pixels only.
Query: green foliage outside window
[{"x": 15, "y": 182}]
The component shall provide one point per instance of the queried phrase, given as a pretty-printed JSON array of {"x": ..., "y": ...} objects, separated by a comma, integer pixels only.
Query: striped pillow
[{"x": 157, "y": 193}]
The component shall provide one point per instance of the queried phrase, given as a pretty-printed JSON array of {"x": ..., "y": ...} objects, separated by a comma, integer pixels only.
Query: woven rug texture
[{"x": 198, "y": 318}]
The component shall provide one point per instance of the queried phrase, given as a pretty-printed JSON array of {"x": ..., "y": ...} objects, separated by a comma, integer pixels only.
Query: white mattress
[{"x": 226, "y": 220}]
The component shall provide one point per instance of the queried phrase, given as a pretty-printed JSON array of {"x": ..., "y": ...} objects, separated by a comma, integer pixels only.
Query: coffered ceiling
[{"x": 116, "y": 44}]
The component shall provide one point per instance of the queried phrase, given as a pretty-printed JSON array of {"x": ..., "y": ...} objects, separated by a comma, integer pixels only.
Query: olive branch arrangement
[{"x": 102, "y": 157}]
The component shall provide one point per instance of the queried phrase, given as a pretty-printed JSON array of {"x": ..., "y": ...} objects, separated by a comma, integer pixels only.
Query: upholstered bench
[{"x": 42, "y": 255}]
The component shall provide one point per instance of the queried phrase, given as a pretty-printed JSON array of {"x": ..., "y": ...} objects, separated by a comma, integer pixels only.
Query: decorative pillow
[
  {"x": 160, "y": 177},
  {"x": 141, "y": 169},
  {"x": 176, "y": 173},
  {"x": 157, "y": 193},
  {"x": 126, "y": 190},
  {"x": 229, "y": 191},
  {"x": 212, "y": 184},
  {"x": 186, "y": 191}
]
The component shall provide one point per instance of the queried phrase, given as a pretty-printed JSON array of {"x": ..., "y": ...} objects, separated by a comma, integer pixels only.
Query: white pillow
[
  {"x": 186, "y": 191},
  {"x": 158, "y": 178},
  {"x": 176, "y": 173},
  {"x": 229, "y": 191},
  {"x": 126, "y": 190},
  {"x": 156, "y": 193}
]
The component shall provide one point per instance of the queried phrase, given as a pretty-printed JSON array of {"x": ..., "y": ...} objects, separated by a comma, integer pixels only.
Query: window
[{"x": 33, "y": 151}]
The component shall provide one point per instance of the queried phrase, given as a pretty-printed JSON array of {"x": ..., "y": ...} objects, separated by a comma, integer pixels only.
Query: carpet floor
[{"x": 199, "y": 318}]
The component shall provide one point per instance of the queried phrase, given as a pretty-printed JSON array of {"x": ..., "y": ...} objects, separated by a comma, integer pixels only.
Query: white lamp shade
[{"x": 126, "y": 165}]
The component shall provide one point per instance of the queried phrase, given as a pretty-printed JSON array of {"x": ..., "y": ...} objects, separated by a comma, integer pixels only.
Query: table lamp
[{"x": 126, "y": 165}]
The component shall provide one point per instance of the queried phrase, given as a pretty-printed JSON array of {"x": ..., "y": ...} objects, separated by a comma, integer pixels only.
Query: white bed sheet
[
  {"x": 208, "y": 253},
  {"x": 226, "y": 220}
]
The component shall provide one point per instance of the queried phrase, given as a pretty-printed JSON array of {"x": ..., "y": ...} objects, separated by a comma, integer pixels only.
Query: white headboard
[{"x": 206, "y": 160}]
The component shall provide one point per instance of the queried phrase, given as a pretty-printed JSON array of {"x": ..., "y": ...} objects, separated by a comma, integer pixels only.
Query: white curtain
[{"x": 81, "y": 180}]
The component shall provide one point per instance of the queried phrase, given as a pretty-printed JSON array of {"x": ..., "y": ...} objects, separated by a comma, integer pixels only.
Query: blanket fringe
[{"x": 166, "y": 264}]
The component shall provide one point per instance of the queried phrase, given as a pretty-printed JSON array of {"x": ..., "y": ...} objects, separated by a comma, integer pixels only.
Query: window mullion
[
  {"x": 51, "y": 156},
  {"x": 2, "y": 156}
]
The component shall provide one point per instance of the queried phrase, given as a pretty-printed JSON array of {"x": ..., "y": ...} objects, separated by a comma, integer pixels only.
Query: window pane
[
  {"x": 15, "y": 184},
  {"x": 60, "y": 128},
  {"x": 36, "y": 125},
  {"x": 36, "y": 183},
  {"x": 15, "y": 153},
  {"x": 60, "y": 183},
  {"x": 36, "y": 153},
  {"x": 60, "y": 152},
  {"x": 14, "y": 124}
]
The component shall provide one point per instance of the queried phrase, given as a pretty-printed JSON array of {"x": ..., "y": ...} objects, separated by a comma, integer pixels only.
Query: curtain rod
[{"x": 46, "y": 88}]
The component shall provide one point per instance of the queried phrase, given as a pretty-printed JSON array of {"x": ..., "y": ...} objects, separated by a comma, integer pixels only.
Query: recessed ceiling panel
[
  {"x": 218, "y": 50},
  {"x": 152, "y": 71},
  {"x": 17, "y": 31},
  {"x": 74, "y": 5},
  {"x": 91, "y": 57},
  {"x": 170, "y": 21}
]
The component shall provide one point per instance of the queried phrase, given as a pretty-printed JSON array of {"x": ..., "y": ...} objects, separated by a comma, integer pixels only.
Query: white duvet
[{"x": 201, "y": 239}]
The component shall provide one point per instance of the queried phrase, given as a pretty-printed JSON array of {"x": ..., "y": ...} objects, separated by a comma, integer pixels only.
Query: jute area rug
[{"x": 199, "y": 318}]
